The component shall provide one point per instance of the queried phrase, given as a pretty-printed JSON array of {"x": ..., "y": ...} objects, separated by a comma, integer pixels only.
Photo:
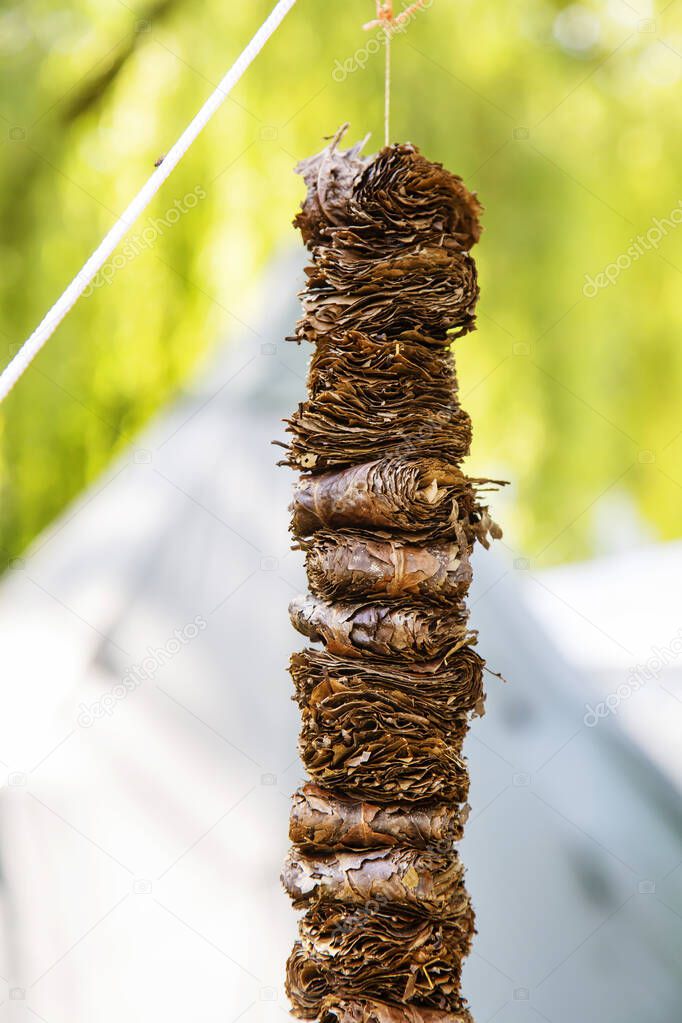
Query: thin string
[
  {"x": 385, "y": 13},
  {"x": 389, "y": 22},
  {"x": 387, "y": 91},
  {"x": 22, "y": 360}
]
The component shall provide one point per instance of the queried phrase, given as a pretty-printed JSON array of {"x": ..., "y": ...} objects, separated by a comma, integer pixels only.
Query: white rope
[{"x": 59, "y": 310}]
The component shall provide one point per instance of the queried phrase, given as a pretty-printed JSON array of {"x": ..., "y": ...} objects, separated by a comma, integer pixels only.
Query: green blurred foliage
[{"x": 565, "y": 119}]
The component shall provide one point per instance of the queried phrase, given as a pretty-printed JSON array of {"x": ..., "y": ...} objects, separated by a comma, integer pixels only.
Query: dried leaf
[
  {"x": 374, "y": 394},
  {"x": 422, "y": 498},
  {"x": 341, "y": 1010},
  {"x": 443, "y": 691},
  {"x": 330, "y": 177},
  {"x": 384, "y": 745},
  {"x": 306, "y": 985},
  {"x": 392, "y": 201},
  {"x": 380, "y": 952},
  {"x": 430, "y": 289},
  {"x": 402, "y": 199},
  {"x": 353, "y": 565},
  {"x": 428, "y": 881},
  {"x": 406, "y": 632},
  {"x": 322, "y": 821}
]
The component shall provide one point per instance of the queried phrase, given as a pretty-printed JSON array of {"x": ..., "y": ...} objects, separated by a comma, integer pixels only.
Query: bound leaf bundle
[
  {"x": 403, "y": 632},
  {"x": 390, "y": 202},
  {"x": 374, "y": 746},
  {"x": 357, "y": 565},
  {"x": 388, "y": 520},
  {"x": 445, "y": 690},
  {"x": 323, "y": 821},
  {"x": 373, "y": 395},
  {"x": 418, "y": 879},
  {"x": 420, "y": 498},
  {"x": 342, "y": 1010},
  {"x": 382, "y": 952},
  {"x": 438, "y": 291}
]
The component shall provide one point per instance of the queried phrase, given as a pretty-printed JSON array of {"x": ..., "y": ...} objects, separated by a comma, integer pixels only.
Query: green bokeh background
[{"x": 564, "y": 118}]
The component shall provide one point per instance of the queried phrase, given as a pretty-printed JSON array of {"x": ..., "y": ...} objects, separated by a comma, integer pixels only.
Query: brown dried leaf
[
  {"x": 378, "y": 745},
  {"x": 443, "y": 691},
  {"x": 305, "y": 984},
  {"x": 394, "y": 200},
  {"x": 370, "y": 394},
  {"x": 422, "y": 498},
  {"x": 341, "y": 1010},
  {"x": 430, "y": 290},
  {"x": 406, "y": 632},
  {"x": 381, "y": 952},
  {"x": 411, "y": 365},
  {"x": 402, "y": 199},
  {"x": 322, "y": 821},
  {"x": 428, "y": 881},
  {"x": 352, "y": 565},
  {"x": 329, "y": 177}
]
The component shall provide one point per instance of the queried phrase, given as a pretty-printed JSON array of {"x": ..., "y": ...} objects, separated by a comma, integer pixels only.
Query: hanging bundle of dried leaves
[{"x": 388, "y": 521}]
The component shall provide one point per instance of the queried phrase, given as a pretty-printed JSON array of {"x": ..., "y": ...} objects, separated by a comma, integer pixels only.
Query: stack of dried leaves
[
  {"x": 388, "y": 521},
  {"x": 376, "y": 395}
]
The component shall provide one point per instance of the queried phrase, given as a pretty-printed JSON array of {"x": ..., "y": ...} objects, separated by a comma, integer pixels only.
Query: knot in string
[{"x": 386, "y": 19}]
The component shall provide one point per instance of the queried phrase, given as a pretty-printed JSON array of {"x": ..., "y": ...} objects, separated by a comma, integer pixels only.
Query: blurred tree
[{"x": 563, "y": 116}]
